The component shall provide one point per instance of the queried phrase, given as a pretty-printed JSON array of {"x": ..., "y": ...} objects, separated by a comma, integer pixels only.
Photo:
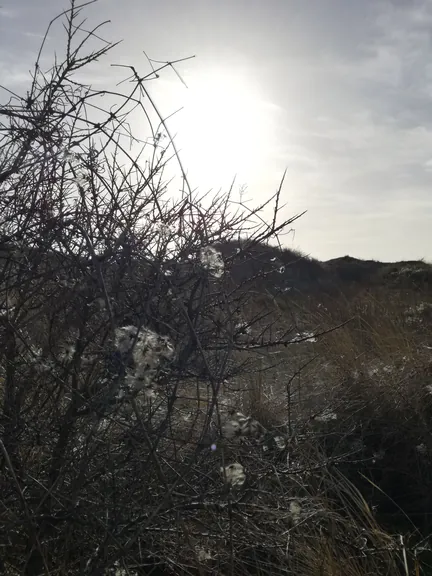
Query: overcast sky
[{"x": 337, "y": 91}]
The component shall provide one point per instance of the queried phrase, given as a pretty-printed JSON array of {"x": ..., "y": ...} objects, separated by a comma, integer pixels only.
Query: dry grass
[{"x": 358, "y": 395}]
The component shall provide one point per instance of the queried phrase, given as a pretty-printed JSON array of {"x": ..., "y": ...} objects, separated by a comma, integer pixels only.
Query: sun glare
[{"x": 224, "y": 128}]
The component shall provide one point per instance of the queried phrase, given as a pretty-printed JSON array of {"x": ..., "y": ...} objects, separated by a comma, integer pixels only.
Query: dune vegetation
[{"x": 180, "y": 394}]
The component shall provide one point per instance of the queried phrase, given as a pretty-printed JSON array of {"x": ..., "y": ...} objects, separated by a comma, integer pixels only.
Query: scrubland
[{"x": 179, "y": 394}]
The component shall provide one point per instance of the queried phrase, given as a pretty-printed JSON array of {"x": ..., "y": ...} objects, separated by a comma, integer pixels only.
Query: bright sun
[{"x": 224, "y": 129}]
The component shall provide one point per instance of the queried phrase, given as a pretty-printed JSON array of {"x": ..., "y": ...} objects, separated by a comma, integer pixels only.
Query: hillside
[
  {"x": 280, "y": 270},
  {"x": 268, "y": 269}
]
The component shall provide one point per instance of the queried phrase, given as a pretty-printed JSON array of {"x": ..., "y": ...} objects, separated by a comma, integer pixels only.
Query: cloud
[{"x": 9, "y": 13}]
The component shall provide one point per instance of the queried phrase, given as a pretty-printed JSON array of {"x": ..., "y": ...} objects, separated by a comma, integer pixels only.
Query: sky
[{"x": 338, "y": 92}]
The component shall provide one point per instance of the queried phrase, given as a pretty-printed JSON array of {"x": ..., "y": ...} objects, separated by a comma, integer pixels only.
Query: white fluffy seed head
[
  {"x": 203, "y": 555},
  {"x": 124, "y": 338},
  {"x": 280, "y": 442},
  {"x": 238, "y": 425},
  {"x": 147, "y": 345},
  {"x": 231, "y": 429},
  {"x": 137, "y": 380},
  {"x": 234, "y": 474},
  {"x": 295, "y": 510},
  {"x": 326, "y": 416},
  {"x": 149, "y": 349},
  {"x": 164, "y": 348},
  {"x": 212, "y": 261}
]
